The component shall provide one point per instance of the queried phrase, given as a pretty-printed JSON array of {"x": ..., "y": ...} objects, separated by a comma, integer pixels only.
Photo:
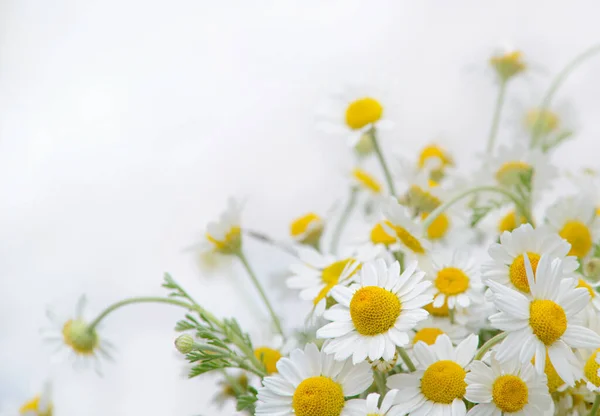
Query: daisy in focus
[
  {"x": 311, "y": 383},
  {"x": 544, "y": 321},
  {"x": 575, "y": 220},
  {"x": 370, "y": 405},
  {"x": 507, "y": 266},
  {"x": 374, "y": 315},
  {"x": 438, "y": 386},
  {"x": 509, "y": 389}
]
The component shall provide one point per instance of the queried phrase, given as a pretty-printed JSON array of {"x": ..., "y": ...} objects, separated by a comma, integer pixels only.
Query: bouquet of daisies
[{"x": 449, "y": 296}]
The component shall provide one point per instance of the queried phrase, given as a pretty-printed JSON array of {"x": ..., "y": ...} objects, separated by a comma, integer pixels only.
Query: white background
[{"x": 124, "y": 126}]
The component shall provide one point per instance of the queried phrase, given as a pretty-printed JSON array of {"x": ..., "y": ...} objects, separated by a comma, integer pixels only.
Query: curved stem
[
  {"x": 496, "y": 118},
  {"x": 268, "y": 240},
  {"x": 442, "y": 208},
  {"x": 596, "y": 406},
  {"x": 262, "y": 293},
  {"x": 489, "y": 344},
  {"x": 560, "y": 78},
  {"x": 337, "y": 232},
  {"x": 384, "y": 166},
  {"x": 407, "y": 359}
]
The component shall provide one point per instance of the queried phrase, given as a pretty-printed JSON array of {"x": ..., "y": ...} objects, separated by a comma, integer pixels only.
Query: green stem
[
  {"x": 380, "y": 382},
  {"x": 337, "y": 232},
  {"x": 406, "y": 359},
  {"x": 496, "y": 118},
  {"x": 442, "y": 208},
  {"x": 489, "y": 344},
  {"x": 268, "y": 240},
  {"x": 596, "y": 406},
  {"x": 233, "y": 357},
  {"x": 398, "y": 255},
  {"x": 262, "y": 293},
  {"x": 384, "y": 166},
  {"x": 560, "y": 78},
  {"x": 451, "y": 315}
]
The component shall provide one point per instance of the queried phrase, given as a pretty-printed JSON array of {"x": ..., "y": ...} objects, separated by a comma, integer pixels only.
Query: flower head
[
  {"x": 40, "y": 405},
  {"x": 307, "y": 229},
  {"x": 507, "y": 64}
]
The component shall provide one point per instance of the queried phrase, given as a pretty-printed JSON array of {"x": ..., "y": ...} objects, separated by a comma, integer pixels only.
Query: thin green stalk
[
  {"x": 451, "y": 315},
  {"x": 400, "y": 257},
  {"x": 241, "y": 361},
  {"x": 384, "y": 166},
  {"x": 268, "y": 240},
  {"x": 380, "y": 382},
  {"x": 337, "y": 232},
  {"x": 560, "y": 78},
  {"x": 496, "y": 118},
  {"x": 489, "y": 344},
  {"x": 406, "y": 359},
  {"x": 596, "y": 406},
  {"x": 262, "y": 293},
  {"x": 442, "y": 208}
]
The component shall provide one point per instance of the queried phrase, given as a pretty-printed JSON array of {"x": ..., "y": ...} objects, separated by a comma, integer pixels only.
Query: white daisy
[
  {"x": 39, "y": 405},
  {"x": 575, "y": 220},
  {"x": 507, "y": 266},
  {"x": 507, "y": 62},
  {"x": 434, "y": 157},
  {"x": 454, "y": 278},
  {"x": 373, "y": 316},
  {"x": 544, "y": 320},
  {"x": 307, "y": 229},
  {"x": 318, "y": 273},
  {"x": 311, "y": 383},
  {"x": 591, "y": 313},
  {"x": 370, "y": 405},
  {"x": 431, "y": 328},
  {"x": 224, "y": 235},
  {"x": 591, "y": 372},
  {"x": 408, "y": 233},
  {"x": 512, "y": 388},
  {"x": 438, "y": 386},
  {"x": 74, "y": 336}
]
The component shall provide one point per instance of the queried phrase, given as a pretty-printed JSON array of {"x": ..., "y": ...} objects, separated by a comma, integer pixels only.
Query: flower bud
[{"x": 184, "y": 343}]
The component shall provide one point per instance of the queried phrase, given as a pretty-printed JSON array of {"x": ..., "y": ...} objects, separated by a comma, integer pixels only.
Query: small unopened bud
[
  {"x": 592, "y": 269},
  {"x": 364, "y": 146},
  {"x": 184, "y": 343}
]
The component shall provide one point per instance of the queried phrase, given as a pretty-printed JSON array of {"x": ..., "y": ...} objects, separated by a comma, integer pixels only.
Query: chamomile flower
[
  {"x": 454, "y": 278},
  {"x": 75, "y": 336},
  {"x": 370, "y": 405},
  {"x": 374, "y": 315},
  {"x": 431, "y": 328},
  {"x": 507, "y": 266},
  {"x": 544, "y": 320},
  {"x": 307, "y": 229},
  {"x": 224, "y": 236},
  {"x": 367, "y": 182},
  {"x": 507, "y": 62},
  {"x": 575, "y": 220},
  {"x": 407, "y": 232},
  {"x": 270, "y": 348},
  {"x": 318, "y": 273},
  {"x": 435, "y": 159},
  {"x": 39, "y": 405},
  {"x": 591, "y": 313},
  {"x": 512, "y": 388},
  {"x": 438, "y": 386},
  {"x": 312, "y": 383},
  {"x": 591, "y": 371}
]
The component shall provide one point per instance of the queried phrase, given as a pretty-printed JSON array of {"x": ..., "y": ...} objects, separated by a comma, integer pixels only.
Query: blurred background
[{"x": 125, "y": 125}]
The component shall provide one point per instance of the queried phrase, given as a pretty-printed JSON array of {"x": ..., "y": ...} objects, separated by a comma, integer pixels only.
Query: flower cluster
[{"x": 425, "y": 294}]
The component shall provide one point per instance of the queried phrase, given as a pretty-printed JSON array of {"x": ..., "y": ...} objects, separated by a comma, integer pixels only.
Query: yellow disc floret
[
  {"x": 269, "y": 358},
  {"x": 510, "y": 173},
  {"x": 510, "y": 393},
  {"x": 409, "y": 240},
  {"x": 436, "y": 153},
  {"x": 546, "y": 120},
  {"x": 509, "y": 222},
  {"x": 584, "y": 284},
  {"x": 78, "y": 336},
  {"x": 363, "y": 112},
  {"x": 33, "y": 406},
  {"x": 379, "y": 235},
  {"x": 517, "y": 272},
  {"x": 554, "y": 380},
  {"x": 307, "y": 229},
  {"x": 331, "y": 274},
  {"x": 443, "y": 382},
  {"x": 422, "y": 200},
  {"x": 374, "y": 310},
  {"x": 590, "y": 370},
  {"x": 366, "y": 180},
  {"x": 451, "y": 281},
  {"x": 427, "y": 335},
  {"x": 230, "y": 244},
  {"x": 579, "y": 236},
  {"x": 318, "y": 396},
  {"x": 548, "y": 320},
  {"x": 439, "y": 227},
  {"x": 441, "y": 312},
  {"x": 508, "y": 65}
]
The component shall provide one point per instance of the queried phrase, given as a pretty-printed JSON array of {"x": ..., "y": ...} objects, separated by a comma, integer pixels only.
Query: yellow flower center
[
  {"x": 300, "y": 225},
  {"x": 230, "y": 243},
  {"x": 548, "y": 320},
  {"x": 583, "y": 283},
  {"x": 363, "y": 112},
  {"x": 434, "y": 152},
  {"x": 331, "y": 276},
  {"x": 510, "y": 173},
  {"x": 410, "y": 241},
  {"x": 318, "y": 396},
  {"x": 579, "y": 236},
  {"x": 269, "y": 358},
  {"x": 440, "y": 312},
  {"x": 508, "y": 65},
  {"x": 509, "y": 222},
  {"x": 590, "y": 370},
  {"x": 422, "y": 200},
  {"x": 366, "y": 180},
  {"x": 510, "y": 393},
  {"x": 427, "y": 335},
  {"x": 33, "y": 406},
  {"x": 547, "y": 120},
  {"x": 77, "y": 336},
  {"x": 554, "y": 380},
  {"x": 451, "y": 281},
  {"x": 374, "y": 310},
  {"x": 443, "y": 382},
  {"x": 439, "y": 226},
  {"x": 380, "y": 236},
  {"x": 517, "y": 273}
]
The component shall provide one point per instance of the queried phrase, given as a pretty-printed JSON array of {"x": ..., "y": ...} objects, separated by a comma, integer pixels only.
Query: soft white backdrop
[{"x": 124, "y": 126}]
